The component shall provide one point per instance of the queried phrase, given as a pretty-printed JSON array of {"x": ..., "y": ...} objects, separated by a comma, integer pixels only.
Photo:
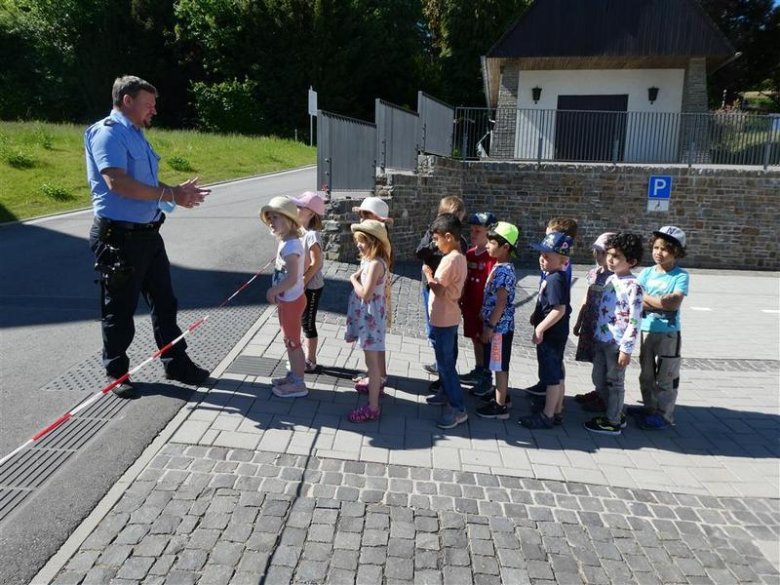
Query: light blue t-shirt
[
  {"x": 656, "y": 283},
  {"x": 114, "y": 142}
]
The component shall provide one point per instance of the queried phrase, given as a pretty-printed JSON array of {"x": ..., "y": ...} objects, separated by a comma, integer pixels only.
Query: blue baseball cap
[
  {"x": 556, "y": 242},
  {"x": 485, "y": 218}
]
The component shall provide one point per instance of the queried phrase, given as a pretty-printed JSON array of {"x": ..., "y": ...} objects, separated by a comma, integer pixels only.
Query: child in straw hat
[
  {"x": 286, "y": 292},
  {"x": 367, "y": 310}
]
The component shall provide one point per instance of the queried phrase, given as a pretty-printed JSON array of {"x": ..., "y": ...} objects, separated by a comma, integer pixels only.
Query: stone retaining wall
[{"x": 731, "y": 215}]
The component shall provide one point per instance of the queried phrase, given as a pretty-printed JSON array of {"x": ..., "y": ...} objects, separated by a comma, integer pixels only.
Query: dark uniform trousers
[{"x": 132, "y": 260}]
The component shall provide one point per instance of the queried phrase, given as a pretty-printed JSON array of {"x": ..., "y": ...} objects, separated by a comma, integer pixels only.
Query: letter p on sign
[
  {"x": 659, "y": 191},
  {"x": 659, "y": 187}
]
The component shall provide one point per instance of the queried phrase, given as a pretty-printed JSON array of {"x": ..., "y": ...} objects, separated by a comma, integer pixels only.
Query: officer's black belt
[{"x": 131, "y": 226}]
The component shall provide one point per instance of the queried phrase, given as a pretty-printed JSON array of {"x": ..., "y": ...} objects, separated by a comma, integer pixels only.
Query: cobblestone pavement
[
  {"x": 254, "y": 489},
  {"x": 218, "y": 516}
]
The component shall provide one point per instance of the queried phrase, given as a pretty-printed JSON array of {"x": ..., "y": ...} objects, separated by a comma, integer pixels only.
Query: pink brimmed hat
[{"x": 311, "y": 200}]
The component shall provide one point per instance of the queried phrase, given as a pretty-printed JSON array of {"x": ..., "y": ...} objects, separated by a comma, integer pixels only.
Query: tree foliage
[
  {"x": 245, "y": 65},
  {"x": 753, "y": 27}
]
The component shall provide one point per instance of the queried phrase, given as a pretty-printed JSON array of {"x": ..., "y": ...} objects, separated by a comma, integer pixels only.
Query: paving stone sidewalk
[
  {"x": 213, "y": 515},
  {"x": 255, "y": 489}
]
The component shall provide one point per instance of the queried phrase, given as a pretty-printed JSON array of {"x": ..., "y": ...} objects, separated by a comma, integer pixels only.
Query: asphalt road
[{"x": 49, "y": 323}]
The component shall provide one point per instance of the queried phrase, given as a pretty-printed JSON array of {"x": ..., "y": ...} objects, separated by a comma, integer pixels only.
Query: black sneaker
[
  {"x": 475, "y": 376},
  {"x": 493, "y": 410},
  {"x": 537, "y": 421},
  {"x": 488, "y": 397},
  {"x": 602, "y": 426},
  {"x": 434, "y": 387},
  {"x": 537, "y": 389},
  {"x": 484, "y": 389},
  {"x": 623, "y": 421},
  {"x": 124, "y": 390},
  {"x": 186, "y": 372}
]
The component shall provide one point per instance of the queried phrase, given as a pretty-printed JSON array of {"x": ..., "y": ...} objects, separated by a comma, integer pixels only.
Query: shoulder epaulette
[{"x": 109, "y": 122}]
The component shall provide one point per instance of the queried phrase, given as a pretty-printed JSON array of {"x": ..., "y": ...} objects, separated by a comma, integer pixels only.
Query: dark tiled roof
[{"x": 627, "y": 28}]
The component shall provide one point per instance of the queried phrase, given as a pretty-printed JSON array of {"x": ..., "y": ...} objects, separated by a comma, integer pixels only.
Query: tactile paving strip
[
  {"x": 270, "y": 367},
  {"x": 256, "y": 366},
  {"x": 29, "y": 469}
]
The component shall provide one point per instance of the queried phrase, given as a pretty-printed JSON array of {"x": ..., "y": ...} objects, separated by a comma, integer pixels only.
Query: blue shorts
[{"x": 549, "y": 356}]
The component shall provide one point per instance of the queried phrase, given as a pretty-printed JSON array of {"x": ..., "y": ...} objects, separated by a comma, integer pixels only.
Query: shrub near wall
[{"x": 730, "y": 215}]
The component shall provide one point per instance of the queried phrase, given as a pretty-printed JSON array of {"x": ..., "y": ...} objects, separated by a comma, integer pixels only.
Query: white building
[{"x": 612, "y": 80}]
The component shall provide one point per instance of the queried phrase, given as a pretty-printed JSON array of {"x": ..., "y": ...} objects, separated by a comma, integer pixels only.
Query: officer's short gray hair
[{"x": 130, "y": 85}]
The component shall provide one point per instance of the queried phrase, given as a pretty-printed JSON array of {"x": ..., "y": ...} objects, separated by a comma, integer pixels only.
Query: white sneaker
[
  {"x": 291, "y": 390},
  {"x": 280, "y": 381}
]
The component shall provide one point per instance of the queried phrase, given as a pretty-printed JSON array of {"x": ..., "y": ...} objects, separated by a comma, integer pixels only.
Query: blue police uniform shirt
[{"x": 115, "y": 142}]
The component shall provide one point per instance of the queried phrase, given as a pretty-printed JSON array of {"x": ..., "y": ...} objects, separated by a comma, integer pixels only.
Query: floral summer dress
[
  {"x": 596, "y": 280},
  {"x": 367, "y": 320}
]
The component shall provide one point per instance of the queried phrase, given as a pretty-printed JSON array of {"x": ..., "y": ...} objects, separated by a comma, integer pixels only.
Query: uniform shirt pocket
[{"x": 139, "y": 164}]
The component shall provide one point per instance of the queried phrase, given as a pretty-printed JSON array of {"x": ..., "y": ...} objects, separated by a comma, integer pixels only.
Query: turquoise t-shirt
[{"x": 656, "y": 283}]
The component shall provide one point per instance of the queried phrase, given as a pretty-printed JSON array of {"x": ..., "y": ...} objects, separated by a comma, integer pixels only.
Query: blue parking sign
[{"x": 659, "y": 187}]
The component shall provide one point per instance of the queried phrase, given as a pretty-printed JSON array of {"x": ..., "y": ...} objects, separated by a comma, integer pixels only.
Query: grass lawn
[{"x": 42, "y": 167}]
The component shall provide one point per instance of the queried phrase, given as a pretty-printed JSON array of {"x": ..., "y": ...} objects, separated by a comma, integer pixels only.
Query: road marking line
[
  {"x": 774, "y": 311},
  {"x": 700, "y": 309}
]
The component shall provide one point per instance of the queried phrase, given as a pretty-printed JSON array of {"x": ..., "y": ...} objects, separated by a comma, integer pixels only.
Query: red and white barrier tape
[{"x": 89, "y": 401}]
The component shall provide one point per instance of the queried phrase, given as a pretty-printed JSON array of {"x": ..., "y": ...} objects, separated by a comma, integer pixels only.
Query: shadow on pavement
[{"x": 407, "y": 424}]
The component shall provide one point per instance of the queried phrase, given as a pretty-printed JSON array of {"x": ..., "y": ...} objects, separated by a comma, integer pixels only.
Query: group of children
[
  {"x": 618, "y": 310},
  {"x": 476, "y": 283}
]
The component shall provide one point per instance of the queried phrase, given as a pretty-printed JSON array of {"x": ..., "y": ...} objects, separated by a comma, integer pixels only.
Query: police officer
[{"x": 128, "y": 203}]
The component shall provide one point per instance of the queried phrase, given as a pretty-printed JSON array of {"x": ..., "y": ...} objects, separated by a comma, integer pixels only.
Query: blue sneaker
[
  {"x": 653, "y": 422},
  {"x": 452, "y": 418}
]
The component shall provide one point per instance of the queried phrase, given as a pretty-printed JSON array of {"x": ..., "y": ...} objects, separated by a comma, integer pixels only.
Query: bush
[
  {"x": 17, "y": 159},
  {"x": 229, "y": 107},
  {"x": 179, "y": 163},
  {"x": 56, "y": 192}
]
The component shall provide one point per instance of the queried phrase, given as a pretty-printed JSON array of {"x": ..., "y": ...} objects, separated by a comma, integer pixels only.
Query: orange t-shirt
[{"x": 451, "y": 274}]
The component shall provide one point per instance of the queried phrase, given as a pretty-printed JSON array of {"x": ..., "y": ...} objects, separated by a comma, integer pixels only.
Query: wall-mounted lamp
[
  {"x": 652, "y": 94},
  {"x": 536, "y": 93}
]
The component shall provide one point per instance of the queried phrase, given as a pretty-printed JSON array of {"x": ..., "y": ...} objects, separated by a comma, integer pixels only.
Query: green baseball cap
[{"x": 505, "y": 231}]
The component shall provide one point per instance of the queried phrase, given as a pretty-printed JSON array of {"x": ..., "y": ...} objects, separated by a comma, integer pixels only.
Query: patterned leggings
[{"x": 309, "y": 320}]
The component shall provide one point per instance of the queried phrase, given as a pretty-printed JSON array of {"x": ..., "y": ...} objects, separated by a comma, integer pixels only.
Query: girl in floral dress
[{"x": 367, "y": 309}]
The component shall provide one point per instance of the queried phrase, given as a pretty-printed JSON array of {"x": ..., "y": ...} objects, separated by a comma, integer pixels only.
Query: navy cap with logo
[
  {"x": 557, "y": 242},
  {"x": 485, "y": 218}
]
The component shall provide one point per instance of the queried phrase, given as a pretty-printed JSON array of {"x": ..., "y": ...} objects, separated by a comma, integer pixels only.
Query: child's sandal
[
  {"x": 310, "y": 367},
  {"x": 361, "y": 386},
  {"x": 363, "y": 414}
]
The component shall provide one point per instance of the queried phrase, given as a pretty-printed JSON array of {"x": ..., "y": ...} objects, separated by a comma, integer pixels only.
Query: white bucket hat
[{"x": 376, "y": 206}]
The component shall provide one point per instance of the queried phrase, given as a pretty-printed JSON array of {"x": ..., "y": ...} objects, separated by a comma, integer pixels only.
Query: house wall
[
  {"x": 538, "y": 119},
  {"x": 729, "y": 214}
]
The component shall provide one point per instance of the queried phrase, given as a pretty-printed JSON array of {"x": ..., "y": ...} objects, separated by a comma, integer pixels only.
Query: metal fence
[
  {"x": 346, "y": 153},
  {"x": 608, "y": 136},
  {"x": 396, "y": 133},
  {"x": 435, "y": 125}
]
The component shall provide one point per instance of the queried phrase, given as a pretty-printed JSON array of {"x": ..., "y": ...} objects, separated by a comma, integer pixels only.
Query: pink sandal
[
  {"x": 363, "y": 414},
  {"x": 361, "y": 386}
]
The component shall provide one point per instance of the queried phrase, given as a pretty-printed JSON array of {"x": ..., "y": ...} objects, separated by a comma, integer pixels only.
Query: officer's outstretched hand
[{"x": 189, "y": 194}]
